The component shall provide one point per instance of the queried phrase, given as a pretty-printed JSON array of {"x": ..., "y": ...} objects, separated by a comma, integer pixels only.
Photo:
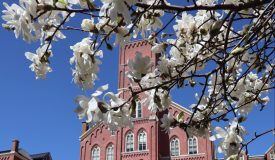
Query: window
[
  {"x": 272, "y": 155},
  {"x": 129, "y": 142},
  {"x": 192, "y": 145},
  {"x": 138, "y": 110},
  {"x": 174, "y": 147},
  {"x": 113, "y": 132},
  {"x": 142, "y": 140},
  {"x": 96, "y": 153},
  {"x": 110, "y": 152},
  {"x": 241, "y": 157}
]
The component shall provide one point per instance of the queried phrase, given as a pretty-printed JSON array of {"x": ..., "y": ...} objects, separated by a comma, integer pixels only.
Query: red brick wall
[
  {"x": 271, "y": 149},
  {"x": 157, "y": 141}
]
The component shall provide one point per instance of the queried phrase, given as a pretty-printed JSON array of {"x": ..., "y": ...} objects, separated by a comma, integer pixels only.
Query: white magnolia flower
[
  {"x": 232, "y": 137},
  {"x": 83, "y": 105},
  {"x": 138, "y": 67},
  {"x": 245, "y": 103},
  {"x": 87, "y": 24},
  {"x": 164, "y": 66},
  {"x": 117, "y": 118},
  {"x": 159, "y": 48},
  {"x": 40, "y": 63},
  {"x": 86, "y": 63},
  {"x": 19, "y": 19},
  {"x": 117, "y": 114},
  {"x": 115, "y": 7},
  {"x": 166, "y": 121},
  {"x": 184, "y": 24},
  {"x": 82, "y": 3},
  {"x": 121, "y": 36},
  {"x": 265, "y": 100},
  {"x": 158, "y": 100},
  {"x": 88, "y": 106},
  {"x": 150, "y": 21},
  {"x": 115, "y": 101}
]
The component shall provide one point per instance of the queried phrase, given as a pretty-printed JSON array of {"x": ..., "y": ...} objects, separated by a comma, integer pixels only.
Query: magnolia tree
[{"x": 225, "y": 48}]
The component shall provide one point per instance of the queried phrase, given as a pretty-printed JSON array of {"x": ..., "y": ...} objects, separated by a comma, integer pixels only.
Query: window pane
[
  {"x": 192, "y": 145},
  {"x": 142, "y": 141},
  {"x": 174, "y": 150},
  {"x": 129, "y": 142},
  {"x": 139, "y": 110},
  {"x": 96, "y": 153},
  {"x": 110, "y": 152}
]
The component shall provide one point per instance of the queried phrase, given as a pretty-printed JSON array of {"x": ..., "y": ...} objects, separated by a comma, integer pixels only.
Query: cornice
[
  {"x": 134, "y": 154},
  {"x": 135, "y": 44},
  {"x": 189, "y": 157},
  {"x": 178, "y": 106},
  {"x": 85, "y": 134}
]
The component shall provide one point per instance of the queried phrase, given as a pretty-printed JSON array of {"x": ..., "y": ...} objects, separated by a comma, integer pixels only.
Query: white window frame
[
  {"x": 145, "y": 134},
  {"x": 93, "y": 150},
  {"x": 127, "y": 141},
  {"x": 241, "y": 157},
  {"x": 197, "y": 144},
  {"x": 138, "y": 103},
  {"x": 272, "y": 155},
  {"x": 174, "y": 139},
  {"x": 107, "y": 153}
]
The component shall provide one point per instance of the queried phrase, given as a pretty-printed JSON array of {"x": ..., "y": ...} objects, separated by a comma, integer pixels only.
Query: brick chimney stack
[
  {"x": 85, "y": 127},
  {"x": 15, "y": 145}
]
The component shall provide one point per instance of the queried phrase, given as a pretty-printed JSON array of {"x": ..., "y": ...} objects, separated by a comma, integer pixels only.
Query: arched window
[
  {"x": 142, "y": 140},
  {"x": 138, "y": 109},
  {"x": 174, "y": 147},
  {"x": 110, "y": 152},
  {"x": 96, "y": 153},
  {"x": 192, "y": 145},
  {"x": 129, "y": 146}
]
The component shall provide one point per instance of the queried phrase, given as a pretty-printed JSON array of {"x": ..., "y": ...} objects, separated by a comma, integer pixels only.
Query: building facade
[
  {"x": 16, "y": 153},
  {"x": 146, "y": 140}
]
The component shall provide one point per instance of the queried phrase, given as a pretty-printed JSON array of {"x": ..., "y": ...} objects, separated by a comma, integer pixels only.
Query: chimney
[
  {"x": 85, "y": 127},
  {"x": 15, "y": 145}
]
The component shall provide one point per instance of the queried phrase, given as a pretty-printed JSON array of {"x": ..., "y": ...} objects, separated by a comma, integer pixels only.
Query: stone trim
[
  {"x": 134, "y": 154},
  {"x": 178, "y": 106}
]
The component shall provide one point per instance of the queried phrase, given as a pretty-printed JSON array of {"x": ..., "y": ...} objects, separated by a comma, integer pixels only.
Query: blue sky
[{"x": 40, "y": 112}]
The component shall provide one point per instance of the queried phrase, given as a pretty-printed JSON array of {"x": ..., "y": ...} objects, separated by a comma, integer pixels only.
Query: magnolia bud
[
  {"x": 238, "y": 50},
  {"x": 215, "y": 28}
]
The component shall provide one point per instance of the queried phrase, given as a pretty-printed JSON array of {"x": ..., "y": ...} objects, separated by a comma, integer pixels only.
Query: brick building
[
  {"x": 146, "y": 141},
  {"x": 16, "y": 153},
  {"x": 268, "y": 155}
]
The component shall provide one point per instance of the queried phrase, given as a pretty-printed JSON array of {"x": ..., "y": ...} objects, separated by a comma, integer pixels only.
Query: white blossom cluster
[
  {"x": 40, "y": 62},
  {"x": 231, "y": 136},
  {"x": 107, "y": 110},
  {"x": 86, "y": 63},
  {"x": 204, "y": 49}
]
